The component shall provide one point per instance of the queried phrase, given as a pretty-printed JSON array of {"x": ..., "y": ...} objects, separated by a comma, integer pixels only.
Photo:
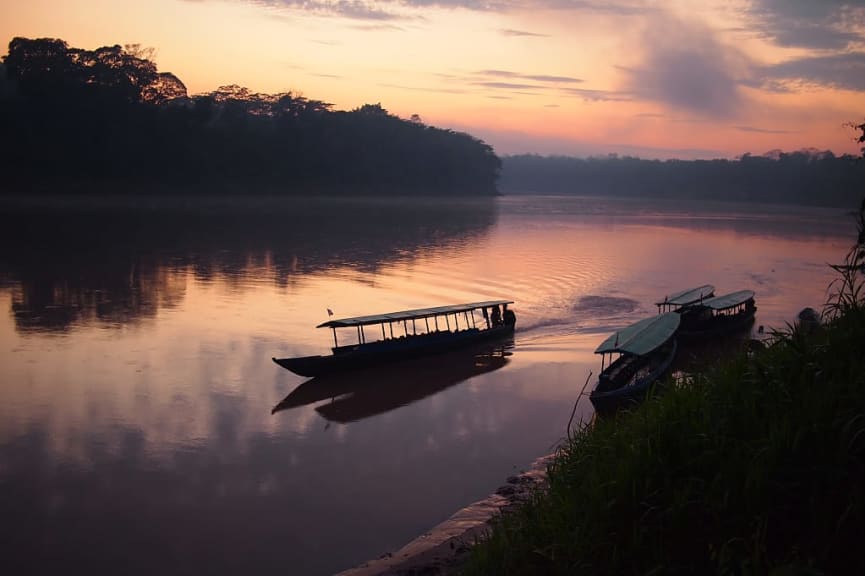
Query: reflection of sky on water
[{"x": 138, "y": 387}]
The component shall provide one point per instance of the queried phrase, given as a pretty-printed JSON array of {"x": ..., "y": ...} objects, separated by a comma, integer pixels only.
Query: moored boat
[
  {"x": 419, "y": 332},
  {"x": 718, "y": 316},
  {"x": 646, "y": 350},
  {"x": 679, "y": 300}
]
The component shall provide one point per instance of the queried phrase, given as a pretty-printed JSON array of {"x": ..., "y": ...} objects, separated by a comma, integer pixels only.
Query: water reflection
[
  {"x": 138, "y": 386},
  {"x": 790, "y": 222},
  {"x": 118, "y": 261},
  {"x": 364, "y": 393}
]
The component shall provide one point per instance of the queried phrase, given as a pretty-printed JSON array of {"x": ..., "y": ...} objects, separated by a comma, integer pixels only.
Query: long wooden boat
[
  {"x": 685, "y": 298},
  {"x": 718, "y": 316},
  {"x": 406, "y": 334},
  {"x": 646, "y": 350}
]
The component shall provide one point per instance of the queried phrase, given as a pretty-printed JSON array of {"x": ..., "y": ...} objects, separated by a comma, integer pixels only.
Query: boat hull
[
  {"x": 715, "y": 327},
  {"x": 371, "y": 391},
  {"x": 385, "y": 351},
  {"x": 622, "y": 386}
]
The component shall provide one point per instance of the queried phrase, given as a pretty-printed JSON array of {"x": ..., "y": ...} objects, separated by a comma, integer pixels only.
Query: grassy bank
[{"x": 756, "y": 466}]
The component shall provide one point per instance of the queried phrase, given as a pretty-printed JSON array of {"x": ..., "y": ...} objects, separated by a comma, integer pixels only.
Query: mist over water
[{"x": 142, "y": 417}]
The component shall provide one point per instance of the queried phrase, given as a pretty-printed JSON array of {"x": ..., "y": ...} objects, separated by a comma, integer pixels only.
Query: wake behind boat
[
  {"x": 646, "y": 350},
  {"x": 419, "y": 332}
]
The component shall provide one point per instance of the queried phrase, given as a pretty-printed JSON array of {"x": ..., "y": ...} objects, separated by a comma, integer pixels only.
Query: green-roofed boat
[
  {"x": 646, "y": 350},
  {"x": 406, "y": 334},
  {"x": 679, "y": 300},
  {"x": 718, "y": 316}
]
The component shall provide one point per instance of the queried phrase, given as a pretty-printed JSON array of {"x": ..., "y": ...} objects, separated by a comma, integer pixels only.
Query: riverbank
[{"x": 756, "y": 465}]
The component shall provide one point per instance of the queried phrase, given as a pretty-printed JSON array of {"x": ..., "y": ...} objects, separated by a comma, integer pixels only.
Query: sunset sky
[{"x": 656, "y": 79}]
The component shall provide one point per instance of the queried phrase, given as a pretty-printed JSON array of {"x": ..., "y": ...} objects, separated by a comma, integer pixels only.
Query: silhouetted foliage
[
  {"x": 861, "y": 139},
  {"x": 807, "y": 177},
  {"x": 107, "y": 121}
]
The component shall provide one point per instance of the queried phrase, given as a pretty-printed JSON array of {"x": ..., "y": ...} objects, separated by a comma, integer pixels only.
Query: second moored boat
[{"x": 718, "y": 316}]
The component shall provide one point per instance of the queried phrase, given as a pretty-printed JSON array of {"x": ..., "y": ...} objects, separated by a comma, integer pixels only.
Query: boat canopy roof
[
  {"x": 728, "y": 300},
  {"x": 688, "y": 296},
  {"x": 410, "y": 314},
  {"x": 642, "y": 337}
]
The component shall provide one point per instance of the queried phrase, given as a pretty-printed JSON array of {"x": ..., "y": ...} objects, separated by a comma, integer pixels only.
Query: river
[{"x": 138, "y": 430}]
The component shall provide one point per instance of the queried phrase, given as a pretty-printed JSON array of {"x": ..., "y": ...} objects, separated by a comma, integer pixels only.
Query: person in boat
[
  {"x": 486, "y": 317},
  {"x": 496, "y": 316},
  {"x": 508, "y": 316}
]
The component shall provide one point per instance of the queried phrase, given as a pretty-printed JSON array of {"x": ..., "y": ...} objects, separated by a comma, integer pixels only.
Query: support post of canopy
[
  {"x": 436, "y": 318},
  {"x": 448, "y": 322},
  {"x": 382, "y": 332},
  {"x": 426, "y": 320},
  {"x": 335, "y": 343}
]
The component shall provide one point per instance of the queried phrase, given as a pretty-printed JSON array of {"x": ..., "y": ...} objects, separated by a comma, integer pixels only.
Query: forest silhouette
[
  {"x": 107, "y": 121},
  {"x": 808, "y": 177}
]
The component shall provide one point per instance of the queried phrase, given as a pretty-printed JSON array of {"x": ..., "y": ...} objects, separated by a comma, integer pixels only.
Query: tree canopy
[
  {"x": 806, "y": 177},
  {"x": 107, "y": 120}
]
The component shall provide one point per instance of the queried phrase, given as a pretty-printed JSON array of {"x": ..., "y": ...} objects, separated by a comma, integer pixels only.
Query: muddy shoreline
[{"x": 445, "y": 548}]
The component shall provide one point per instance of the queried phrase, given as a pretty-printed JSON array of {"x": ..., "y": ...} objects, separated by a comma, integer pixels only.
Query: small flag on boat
[{"x": 329, "y": 312}]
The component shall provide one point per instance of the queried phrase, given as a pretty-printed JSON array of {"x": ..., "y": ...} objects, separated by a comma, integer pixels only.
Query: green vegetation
[
  {"x": 756, "y": 466},
  {"x": 107, "y": 121}
]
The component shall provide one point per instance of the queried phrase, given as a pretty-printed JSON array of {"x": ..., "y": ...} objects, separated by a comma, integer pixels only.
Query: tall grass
[{"x": 756, "y": 466}]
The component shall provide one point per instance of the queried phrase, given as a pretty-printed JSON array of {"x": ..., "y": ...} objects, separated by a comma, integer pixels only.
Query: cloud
[
  {"x": 385, "y": 10},
  {"x": 522, "y": 33},
  {"x": 815, "y": 24},
  {"x": 352, "y": 9},
  {"x": 508, "y": 85},
  {"x": 754, "y": 129},
  {"x": 535, "y": 77},
  {"x": 379, "y": 28},
  {"x": 686, "y": 67},
  {"x": 599, "y": 95},
  {"x": 845, "y": 71},
  {"x": 532, "y": 84}
]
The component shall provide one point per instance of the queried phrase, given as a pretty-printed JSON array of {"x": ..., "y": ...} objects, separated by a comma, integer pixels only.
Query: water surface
[{"x": 144, "y": 428}]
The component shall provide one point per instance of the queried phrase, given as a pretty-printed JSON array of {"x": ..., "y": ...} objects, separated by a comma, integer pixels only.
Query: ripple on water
[{"x": 596, "y": 311}]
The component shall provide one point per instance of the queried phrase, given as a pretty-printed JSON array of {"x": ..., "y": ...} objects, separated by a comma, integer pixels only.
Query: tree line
[
  {"x": 108, "y": 121},
  {"x": 807, "y": 177}
]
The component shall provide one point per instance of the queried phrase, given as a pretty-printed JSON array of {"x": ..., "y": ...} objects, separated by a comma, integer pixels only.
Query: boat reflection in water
[{"x": 367, "y": 392}]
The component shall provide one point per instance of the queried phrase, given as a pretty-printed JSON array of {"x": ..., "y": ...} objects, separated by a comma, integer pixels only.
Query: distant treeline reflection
[
  {"x": 72, "y": 262},
  {"x": 809, "y": 177},
  {"x": 106, "y": 120}
]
